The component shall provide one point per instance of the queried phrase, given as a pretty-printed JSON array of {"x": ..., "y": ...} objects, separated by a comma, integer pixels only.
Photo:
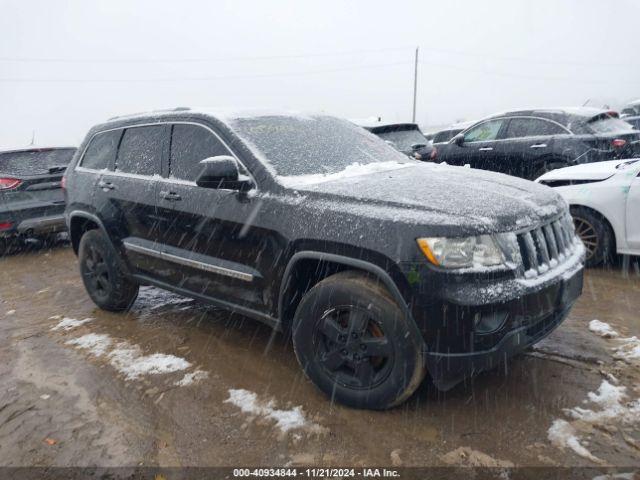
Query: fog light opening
[{"x": 489, "y": 322}]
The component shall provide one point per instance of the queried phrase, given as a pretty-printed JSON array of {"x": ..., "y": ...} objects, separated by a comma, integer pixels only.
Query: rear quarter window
[
  {"x": 101, "y": 152},
  {"x": 532, "y": 127},
  {"x": 140, "y": 150},
  {"x": 34, "y": 162}
]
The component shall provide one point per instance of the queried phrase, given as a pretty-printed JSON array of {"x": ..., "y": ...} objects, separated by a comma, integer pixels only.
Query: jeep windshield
[{"x": 313, "y": 148}]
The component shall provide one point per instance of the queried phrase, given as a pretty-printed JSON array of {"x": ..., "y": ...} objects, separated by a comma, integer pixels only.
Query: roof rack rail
[{"x": 176, "y": 109}]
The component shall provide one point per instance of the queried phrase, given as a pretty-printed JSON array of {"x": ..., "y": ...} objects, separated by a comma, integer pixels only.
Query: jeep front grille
[{"x": 547, "y": 246}]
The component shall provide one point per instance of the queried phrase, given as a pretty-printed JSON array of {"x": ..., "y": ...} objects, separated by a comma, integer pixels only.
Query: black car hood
[{"x": 432, "y": 194}]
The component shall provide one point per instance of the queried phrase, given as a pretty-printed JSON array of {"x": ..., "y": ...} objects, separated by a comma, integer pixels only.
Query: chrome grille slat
[
  {"x": 544, "y": 247},
  {"x": 530, "y": 251},
  {"x": 562, "y": 244},
  {"x": 551, "y": 242}
]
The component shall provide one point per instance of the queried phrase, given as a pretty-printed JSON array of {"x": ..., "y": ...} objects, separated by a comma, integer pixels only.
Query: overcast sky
[{"x": 66, "y": 65}]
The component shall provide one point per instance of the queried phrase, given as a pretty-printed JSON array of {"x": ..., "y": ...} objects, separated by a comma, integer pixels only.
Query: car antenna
[
  {"x": 585, "y": 103},
  {"x": 33, "y": 138}
]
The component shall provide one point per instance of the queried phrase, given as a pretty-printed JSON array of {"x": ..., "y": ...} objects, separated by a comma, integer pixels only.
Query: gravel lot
[{"x": 178, "y": 383}]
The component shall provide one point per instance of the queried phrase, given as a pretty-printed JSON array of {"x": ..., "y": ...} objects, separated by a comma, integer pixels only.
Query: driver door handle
[
  {"x": 171, "y": 196},
  {"x": 106, "y": 185},
  {"x": 485, "y": 149}
]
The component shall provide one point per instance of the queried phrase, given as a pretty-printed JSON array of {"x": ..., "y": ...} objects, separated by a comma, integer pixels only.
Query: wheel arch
[
  {"x": 614, "y": 235},
  {"x": 79, "y": 223},
  {"x": 307, "y": 268}
]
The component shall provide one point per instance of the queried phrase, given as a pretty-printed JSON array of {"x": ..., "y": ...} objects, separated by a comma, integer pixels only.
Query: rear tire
[
  {"x": 596, "y": 235},
  {"x": 103, "y": 273},
  {"x": 355, "y": 343}
]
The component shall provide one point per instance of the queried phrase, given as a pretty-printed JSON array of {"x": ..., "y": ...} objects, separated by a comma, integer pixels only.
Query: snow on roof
[
  {"x": 222, "y": 113},
  {"x": 582, "y": 111}
]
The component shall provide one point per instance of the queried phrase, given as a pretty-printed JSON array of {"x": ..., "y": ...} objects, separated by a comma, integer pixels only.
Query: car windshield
[
  {"x": 608, "y": 124},
  {"x": 403, "y": 139},
  {"x": 34, "y": 162},
  {"x": 313, "y": 145}
]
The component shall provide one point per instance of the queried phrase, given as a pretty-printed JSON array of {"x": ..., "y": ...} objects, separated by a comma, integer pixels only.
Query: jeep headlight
[{"x": 477, "y": 252}]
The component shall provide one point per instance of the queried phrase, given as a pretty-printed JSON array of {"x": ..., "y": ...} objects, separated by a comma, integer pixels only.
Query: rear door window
[
  {"x": 101, "y": 152},
  {"x": 531, "y": 127},
  {"x": 140, "y": 150},
  {"x": 190, "y": 144},
  {"x": 484, "y": 132}
]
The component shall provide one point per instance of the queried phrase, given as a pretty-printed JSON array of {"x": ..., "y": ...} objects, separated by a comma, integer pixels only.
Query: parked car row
[
  {"x": 529, "y": 143},
  {"x": 382, "y": 267}
]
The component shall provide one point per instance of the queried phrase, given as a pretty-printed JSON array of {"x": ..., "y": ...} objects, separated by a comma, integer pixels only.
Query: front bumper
[
  {"x": 447, "y": 370},
  {"x": 455, "y": 349}
]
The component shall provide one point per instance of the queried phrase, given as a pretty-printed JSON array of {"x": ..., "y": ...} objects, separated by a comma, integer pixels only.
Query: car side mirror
[
  {"x": 222, "y": 172},
  {"x": 458, "y": 139},
  {"x": 418, "y": 146}
]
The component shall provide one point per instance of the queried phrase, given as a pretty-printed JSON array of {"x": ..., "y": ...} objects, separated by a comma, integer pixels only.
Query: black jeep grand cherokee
[{"x": 382, "y": 267}]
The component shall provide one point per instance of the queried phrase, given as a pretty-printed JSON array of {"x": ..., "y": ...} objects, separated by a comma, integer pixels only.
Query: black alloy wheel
[{"x": 352, "y": 347}]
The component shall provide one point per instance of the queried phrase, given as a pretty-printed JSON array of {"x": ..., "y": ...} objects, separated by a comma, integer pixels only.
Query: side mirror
[
  {"x": 458, "y": 139},
  {"x": 417, "y": 146},
  {"x": 222, "y": 172}
]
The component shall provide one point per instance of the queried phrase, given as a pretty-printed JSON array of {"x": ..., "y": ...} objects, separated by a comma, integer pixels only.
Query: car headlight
[{"x": 479, "y": 251}]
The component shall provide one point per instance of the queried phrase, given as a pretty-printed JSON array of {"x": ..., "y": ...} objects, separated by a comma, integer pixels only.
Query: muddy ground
[{"x": 62, "y": 404}]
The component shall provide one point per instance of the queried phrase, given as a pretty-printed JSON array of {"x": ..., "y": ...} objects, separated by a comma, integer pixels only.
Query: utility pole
[{"x": 415, "y": 85}]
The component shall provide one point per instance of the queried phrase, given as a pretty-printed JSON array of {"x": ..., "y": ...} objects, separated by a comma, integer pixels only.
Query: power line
[
  {"x": 518, "y": 75},
  {"x": 197, "y": 60},
  {"x": 197, "y": 79},
  {"x": 311, "y": 55}
]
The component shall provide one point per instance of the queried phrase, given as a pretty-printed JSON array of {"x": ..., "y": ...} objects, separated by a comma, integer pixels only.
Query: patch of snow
[
  {"x": 613, "y": 407},
  {"x": 129, "y": 360},
  {"x": 155, "y": 298},
  {"x": 67, "y": 324},
  {"x": 603, "y": 329},
  {"x": 10, "y": 312},
  {"x": 628, "y": 350},
  {"x": 609, "y": 398},
  {"x": 45, "y": 396},
  {"x": 613, "y": 476},
  {"x": 562, "y": 435},
  {"x": 191, "y": 378},
  {"x": 96, "y": 343},
  {"x": 285, "y": 419},
  {"x": 353, "y": 170}
]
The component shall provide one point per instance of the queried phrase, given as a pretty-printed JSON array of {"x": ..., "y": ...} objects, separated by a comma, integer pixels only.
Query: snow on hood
[
  {"x": 586, "y": 171},
  {"x": 455, "y": 192},
  {"x": 353, "y": 170}
]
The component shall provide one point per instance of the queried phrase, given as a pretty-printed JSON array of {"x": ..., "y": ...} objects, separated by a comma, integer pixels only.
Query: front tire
[
  {"x": 355, "y": 343},
  {"x": 595, "y": 234},
  {"x": 103, "y": 274}
]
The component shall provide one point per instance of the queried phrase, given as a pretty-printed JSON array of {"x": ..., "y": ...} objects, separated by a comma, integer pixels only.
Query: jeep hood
[{"x": 439, "y": 194}]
